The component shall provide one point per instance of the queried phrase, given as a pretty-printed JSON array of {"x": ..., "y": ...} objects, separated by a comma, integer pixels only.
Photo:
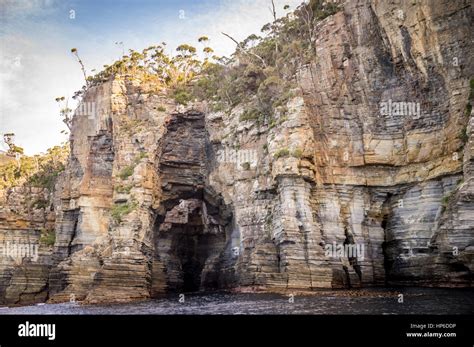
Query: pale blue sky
[{"x": 36, "y": 37}]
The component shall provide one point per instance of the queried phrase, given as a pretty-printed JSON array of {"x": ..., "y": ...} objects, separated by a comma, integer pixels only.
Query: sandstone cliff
[{"x": 159, "y": 197}]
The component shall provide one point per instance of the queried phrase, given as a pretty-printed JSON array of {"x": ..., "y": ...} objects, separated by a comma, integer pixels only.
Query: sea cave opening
[
  {"x": 189, "y": 247},
  {"x": 191, "y": 233}
]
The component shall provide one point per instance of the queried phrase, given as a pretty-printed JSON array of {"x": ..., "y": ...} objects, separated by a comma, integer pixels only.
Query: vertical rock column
[{"x": 298, "y": 236}]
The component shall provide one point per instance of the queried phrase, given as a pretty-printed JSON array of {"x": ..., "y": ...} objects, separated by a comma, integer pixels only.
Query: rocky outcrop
[
  {"x": 351, "y": 171},
  {"x": 26, "y": 220},
  {"x": 372, "y": 154}
]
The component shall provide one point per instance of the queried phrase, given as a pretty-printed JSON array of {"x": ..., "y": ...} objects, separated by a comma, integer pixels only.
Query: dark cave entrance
[
  {"x": 192, "y": 227},
  {"x": 190, "y": 264},
  {"x": 189, "y": 246},
  {"x": 193, "y": 251}
]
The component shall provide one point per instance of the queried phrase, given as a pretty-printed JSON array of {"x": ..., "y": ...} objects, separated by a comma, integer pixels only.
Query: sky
[{"x": 36, "y": 37}]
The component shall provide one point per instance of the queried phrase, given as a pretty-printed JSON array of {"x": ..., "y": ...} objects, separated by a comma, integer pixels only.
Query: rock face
[
  {"x": 374, "y": 155},
  {"x": 25, "y": 259}
]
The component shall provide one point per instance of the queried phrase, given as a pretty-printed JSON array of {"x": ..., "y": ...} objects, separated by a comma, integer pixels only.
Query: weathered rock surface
[
  {"x": 161, "y": 198},
  {"x": 25, "y": 259}
]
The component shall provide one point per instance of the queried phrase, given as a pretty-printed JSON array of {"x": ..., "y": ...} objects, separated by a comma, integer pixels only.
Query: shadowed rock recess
[{"x": 147, "y": 205}]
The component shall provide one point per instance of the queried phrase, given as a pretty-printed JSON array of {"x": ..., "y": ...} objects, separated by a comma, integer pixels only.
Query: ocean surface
[{"x": 353, "y": 302}]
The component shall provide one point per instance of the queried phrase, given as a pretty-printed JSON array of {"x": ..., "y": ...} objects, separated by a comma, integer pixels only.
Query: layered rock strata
[{"x": 375, "y": 151}]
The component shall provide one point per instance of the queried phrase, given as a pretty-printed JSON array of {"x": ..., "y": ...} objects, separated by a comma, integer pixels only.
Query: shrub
[
  {"x": 445, "y": 199},
  {"x": 141, "y": 156},
  {"x": 246, "y": 165},
  {"x": 122, "y": 209},
  {"x": 249, "y": 115},
  {"x": 283, "y": 152},
  {"x": 36, "y": 171},
  {"x": 181, "y": 96},
  {"x": 126, "y": 172},
  {"x": 464, "y": 137},
  {"x": 468, "y": 109},
  {"x": 325, "y": 11},
  {"x": 48, "y": 237},
  {"x": 124, "y": 189},
  {"x": 297, "y": 153},
  {"x": 209, "y": 83}
]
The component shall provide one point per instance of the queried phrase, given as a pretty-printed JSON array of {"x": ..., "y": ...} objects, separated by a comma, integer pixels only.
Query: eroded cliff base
[{"x": 158, "y": 197}]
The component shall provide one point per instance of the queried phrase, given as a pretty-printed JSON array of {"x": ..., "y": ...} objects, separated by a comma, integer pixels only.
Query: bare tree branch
[
  {"x": 274, "y": 11},
  {"x": 274, "y": 25},
  {"x": 308, "y": 19},
  {"x": 74, "y": 52},
  {"x": 245, "y": 51}
]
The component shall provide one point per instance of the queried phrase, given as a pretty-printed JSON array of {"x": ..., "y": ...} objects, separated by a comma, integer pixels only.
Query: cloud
[
  {"x": 25, "y": 7},
  {"x": 32, "y": 74},
  {"x": 236, "y": 18},
  {"x": 36, "y": 65}
]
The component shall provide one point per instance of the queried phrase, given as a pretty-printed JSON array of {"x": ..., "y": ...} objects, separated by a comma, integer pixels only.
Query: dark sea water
[{"x": 353, "y": 302}]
